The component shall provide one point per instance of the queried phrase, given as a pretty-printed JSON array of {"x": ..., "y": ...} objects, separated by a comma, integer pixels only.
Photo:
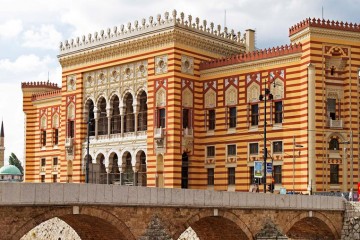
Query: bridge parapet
[{"x": 20, "y": 194}]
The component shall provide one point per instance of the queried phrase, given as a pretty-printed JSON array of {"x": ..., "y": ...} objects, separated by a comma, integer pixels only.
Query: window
[
  {"x": 56, "y": 136},
  {"x": 251, "y": 173},
  {"x": 334, "y": 144},
  {"x": 254, "y": 115},
  {"x": 55, "y": 161},
  {"x": 211, "y": 119},
  {"x": 186, "y": 118},
  {"x": 210, "y": 151},
  {"x": 231, "y": 150},
  {"x": 277, "y": 147},
  {"x": 54, "y": 178},
  {"x": 331, "y": 108},
  {"x": 254, "y": 148},
  {"x": 334, "y": 174},
  {"x": 43, "y": 138},
  {"x": 277, "y": 174},
  {"x": 210, "y": 174},
  {"x": 161, "y": 118},
  {"x": 278, "y": 112},
  {"x": 43, "y": 162},
  {"x": 71, "y": 129},
  {"x": 231, "y": 176},
  {"x": 42, "y": 178},
  {"x": 232, "y": 117}
]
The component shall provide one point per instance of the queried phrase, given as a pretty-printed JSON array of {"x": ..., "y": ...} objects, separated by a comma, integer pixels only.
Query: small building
[{"x": 10, "y": 173}]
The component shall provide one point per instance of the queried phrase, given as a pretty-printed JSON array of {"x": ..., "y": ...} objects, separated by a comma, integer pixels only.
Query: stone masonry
[{"x": 351, "y": 227}]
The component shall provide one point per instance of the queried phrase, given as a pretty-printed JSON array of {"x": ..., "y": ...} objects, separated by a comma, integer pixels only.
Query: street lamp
[
  {"x": 267, "y": 96},
  {"x": 295, "y": 146}
]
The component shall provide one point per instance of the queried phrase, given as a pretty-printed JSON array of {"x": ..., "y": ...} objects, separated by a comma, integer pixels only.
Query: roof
[{"x": 9, "y": 170}]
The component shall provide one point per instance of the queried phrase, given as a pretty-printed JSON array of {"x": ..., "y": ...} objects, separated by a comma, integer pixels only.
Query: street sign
[
  {"x": 258, "y": 169},
  {"x": 269, "y": 168}
]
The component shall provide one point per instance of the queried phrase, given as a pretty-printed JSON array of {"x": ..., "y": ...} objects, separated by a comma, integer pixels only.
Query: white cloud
[
  {"x": 46, "y": 37},
  {"x": 11, "y": 28},
  {"x": 25, "y": 63}
]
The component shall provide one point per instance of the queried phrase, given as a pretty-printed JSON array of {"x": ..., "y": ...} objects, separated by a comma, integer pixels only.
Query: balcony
[
  {"x": 335, "y": 123},
  {"x": 69, "y": 142},
  {"x": 188, "y": 132},
  {"x": 42, "y": 168},
  {"x": 55, "y": 168},
  {"x": 159, "y": 133}
]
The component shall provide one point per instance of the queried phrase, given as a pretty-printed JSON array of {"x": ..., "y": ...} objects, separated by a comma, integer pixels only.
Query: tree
[{"x": 13, "y": 160}]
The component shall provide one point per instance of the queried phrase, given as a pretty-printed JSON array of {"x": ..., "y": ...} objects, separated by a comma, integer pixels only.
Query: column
[
  {"x": 122, "y": 121},
  {"x": 96, "y": 116},
  {"x": 135, "y": 176},
  {"x": 108, "y": 114},
  {"x": 135, "y": 120},
  {"x": 311, "y": 126}
]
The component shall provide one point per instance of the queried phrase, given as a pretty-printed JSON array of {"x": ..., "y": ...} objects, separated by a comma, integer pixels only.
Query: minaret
[{"x": 2, "y": 146}]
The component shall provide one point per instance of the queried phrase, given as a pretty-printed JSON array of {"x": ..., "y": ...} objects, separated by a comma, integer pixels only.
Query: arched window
[
  {"x": 103, "y": 122},
  {"x": 91, "y": 117},
  {"x": 142, "y": 116},
  {"x": 115, "y": 118},
  {"x": 129, "y": 114},
  {"x": 142, "y": 170},
  {"x": 128, "y": 175},
  {"x": 334, "y": 144}
]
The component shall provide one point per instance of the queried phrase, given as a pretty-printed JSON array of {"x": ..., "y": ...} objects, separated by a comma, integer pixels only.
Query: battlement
[
  {"x": 39, "y": 85},
  {"x": 44, "y": 95},
  {"x": 143, "y": 28},
  {"x": 252, "y": 56},
  {"x": 336, "y": 25}
]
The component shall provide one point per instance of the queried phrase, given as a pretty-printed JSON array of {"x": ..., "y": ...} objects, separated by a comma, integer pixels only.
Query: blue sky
[{"x": 30, "y": 33}]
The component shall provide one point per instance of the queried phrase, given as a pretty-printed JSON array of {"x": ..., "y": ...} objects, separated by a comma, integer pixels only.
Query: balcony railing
[
  {"x": 335, "y": 123},
  {"x": 69, "y": 142},
  {"x": 159, "y": 133},
  {"x": 188, "y": 132}
]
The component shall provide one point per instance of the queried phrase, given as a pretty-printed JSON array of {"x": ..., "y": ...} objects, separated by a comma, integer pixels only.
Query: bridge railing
[{"x": 100, "y": 194}]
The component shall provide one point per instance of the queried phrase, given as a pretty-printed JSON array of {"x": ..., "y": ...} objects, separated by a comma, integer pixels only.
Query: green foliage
[{"x": 13, "y": 160}]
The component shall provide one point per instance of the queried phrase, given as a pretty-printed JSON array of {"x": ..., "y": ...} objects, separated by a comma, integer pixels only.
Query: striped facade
[{"x": 176, "y": 104}]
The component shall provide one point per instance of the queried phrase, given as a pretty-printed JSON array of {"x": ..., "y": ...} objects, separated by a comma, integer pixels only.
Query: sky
[{"x": 31, "y": 31}]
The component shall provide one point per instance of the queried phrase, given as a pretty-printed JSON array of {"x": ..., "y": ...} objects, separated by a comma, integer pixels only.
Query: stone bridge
[{"x": 123, "y": 212}]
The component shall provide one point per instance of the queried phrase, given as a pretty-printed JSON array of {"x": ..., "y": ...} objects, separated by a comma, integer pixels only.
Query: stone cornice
[
  {"x": 258, "y": 64},
  {"x": 323, "y": 32},
  {"x": 149, "y": 43},
  {"x": 148, "y": 28}
]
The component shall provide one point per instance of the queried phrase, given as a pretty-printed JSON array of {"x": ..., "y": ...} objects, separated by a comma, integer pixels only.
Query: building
[
  {"x": 10, "y": 173},
  {"x": 2, "y": 145},
  {"x": 175, "y": 102}
]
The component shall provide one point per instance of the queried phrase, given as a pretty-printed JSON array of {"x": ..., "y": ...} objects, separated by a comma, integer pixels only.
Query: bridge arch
[
  {"x": 207, "y": 226},
  {"x": 314, "y": 225},
  {"x": 89, "y": 223}
]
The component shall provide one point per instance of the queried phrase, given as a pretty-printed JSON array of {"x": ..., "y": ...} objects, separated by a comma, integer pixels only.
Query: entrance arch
[
  {"x": 225, "y": 225},
  {"x": 90, "y": 223},
  {"x": 318, "y": 226}
]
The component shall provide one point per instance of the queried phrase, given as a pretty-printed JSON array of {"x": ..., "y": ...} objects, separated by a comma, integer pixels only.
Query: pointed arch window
[
  {"x": 103, "y": 121},
  {"x": 142, "y": 116},
  {"x": 115, "y": 117},
  {"x": 129, "y": 114},
  {"x": 334, "y": 144}
]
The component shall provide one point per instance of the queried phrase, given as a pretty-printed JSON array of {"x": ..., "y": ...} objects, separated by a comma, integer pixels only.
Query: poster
[{"x": 258, "y": 169}]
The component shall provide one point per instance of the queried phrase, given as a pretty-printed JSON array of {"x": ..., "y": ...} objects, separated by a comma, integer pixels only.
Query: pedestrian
[{"x": 351, "y": 195}]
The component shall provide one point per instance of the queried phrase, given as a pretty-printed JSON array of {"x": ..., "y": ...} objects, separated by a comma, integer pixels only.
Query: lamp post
[
  {"x": 264, "y": 97},
  {"x": 294, "y": 146}
]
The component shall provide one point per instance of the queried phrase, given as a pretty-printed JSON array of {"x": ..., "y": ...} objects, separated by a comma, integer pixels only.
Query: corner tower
[{"x": 2, "y": 145}]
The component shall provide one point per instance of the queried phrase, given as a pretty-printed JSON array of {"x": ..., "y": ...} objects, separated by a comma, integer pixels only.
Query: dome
[{"x": 9, "y": 170}]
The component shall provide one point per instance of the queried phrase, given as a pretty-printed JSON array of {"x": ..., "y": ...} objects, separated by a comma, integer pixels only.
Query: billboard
[{"x": 258, "y": 169}]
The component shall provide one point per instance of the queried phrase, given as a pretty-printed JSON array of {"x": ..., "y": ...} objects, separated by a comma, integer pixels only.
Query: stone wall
[{"x": 351, "y": 227}]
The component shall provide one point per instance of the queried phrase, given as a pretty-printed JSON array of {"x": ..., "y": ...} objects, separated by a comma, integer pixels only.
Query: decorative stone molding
[
  {"x": 161, "y": 63},
  {"x": 187, "y": 98},
  {"x": 253, "y": 92},
  {"x": 71, "y": 111},
  {"x": 334, "y": 92},
  {"x": 55, "y": 121},
  {"x": 147, "y": 28},
  {"x": 71, "y": 82},
  {"x": 210, "y": 99},
  {"x": 278, "y": 89},
  {"x": 161, "y": 98},
  {"x": 43, "y": 121},
  {"x": 231, "y": 96},
  {"x": 187, "y": 64}
]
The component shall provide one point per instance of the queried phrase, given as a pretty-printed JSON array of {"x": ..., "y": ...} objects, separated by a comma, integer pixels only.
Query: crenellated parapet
[
  {"x": 45, "y": 95},
  {"x": 39, "y": 85},
  {"x": 252, "y": 56},
  {"x": 321, "y": 23},
  {"x": 143, "y": 28}
]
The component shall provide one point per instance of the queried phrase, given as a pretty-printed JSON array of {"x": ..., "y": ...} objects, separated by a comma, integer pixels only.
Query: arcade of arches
[{"x": 105, "y": 222}]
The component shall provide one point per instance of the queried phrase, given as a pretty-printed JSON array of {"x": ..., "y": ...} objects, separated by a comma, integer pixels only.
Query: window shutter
[
  {"x": 226, "y": 116},
  {"x": 247, "y": 115},
  {"x": 205, "y": 120}
]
